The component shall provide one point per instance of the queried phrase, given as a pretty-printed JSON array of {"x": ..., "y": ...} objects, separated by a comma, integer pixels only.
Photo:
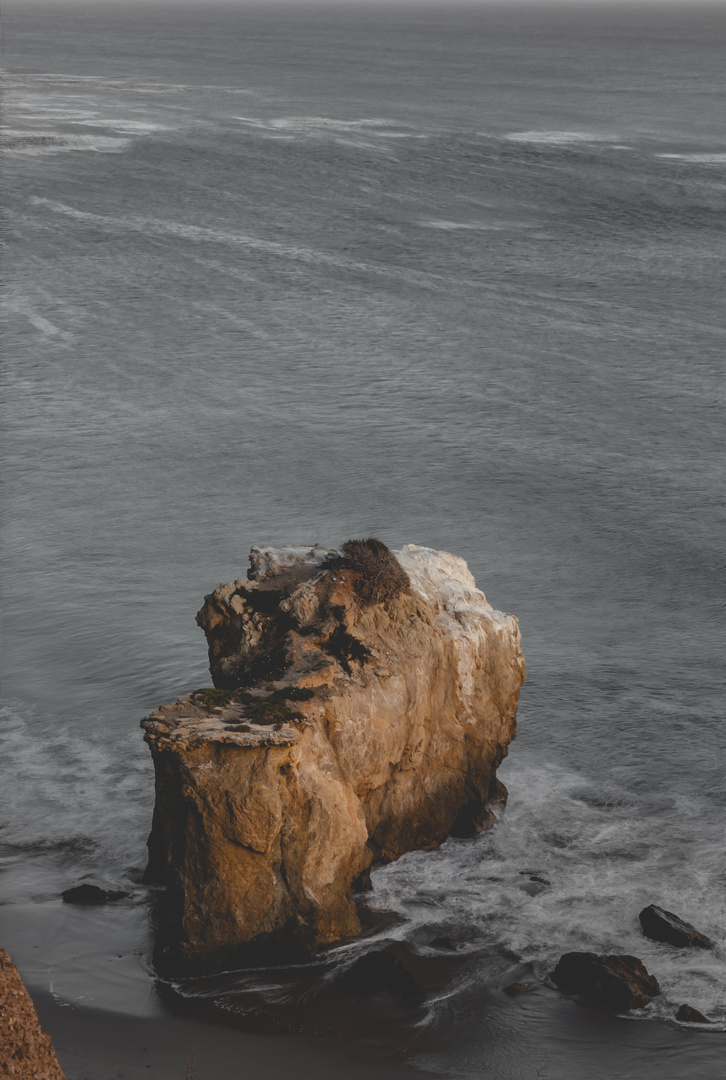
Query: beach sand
[{"x": 96, "y": 1045}]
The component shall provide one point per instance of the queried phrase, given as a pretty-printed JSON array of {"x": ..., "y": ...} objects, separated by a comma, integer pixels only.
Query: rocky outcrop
[
  {"x": 688, "y": 1015},
  {"x": 341, "y": 732},
  {"x": 25, "y": 1049},
  {"x": 661, "y": 925},
  {"x": 88, "y": 895},
  {"x": 618, "y": 983}
]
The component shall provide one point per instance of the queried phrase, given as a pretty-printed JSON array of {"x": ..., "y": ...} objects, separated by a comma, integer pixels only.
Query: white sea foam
[
  {"x": 568, "y": 868},
  {"x": 697, "y": 159},
  {"x": 65, "y": 790},
  {"x": 559, "y": 138},
  {"x": 11, "y": 80},
  {"x": 23, "y": 306},
  {"x": 351, "y": 132},
  {"x": 476, "y": 226}
]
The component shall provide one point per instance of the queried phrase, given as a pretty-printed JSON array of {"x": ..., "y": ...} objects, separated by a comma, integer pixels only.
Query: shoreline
[{"x": 95, "y": 1044}]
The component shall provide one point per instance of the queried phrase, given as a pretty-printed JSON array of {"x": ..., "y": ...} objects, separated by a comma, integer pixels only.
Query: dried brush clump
[{"x": 378, "y": 575}]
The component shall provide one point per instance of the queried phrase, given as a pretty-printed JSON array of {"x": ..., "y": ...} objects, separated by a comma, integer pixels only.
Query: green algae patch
[
  {"x": 210, "y": 697},
  {"x": 272, "y": 709}
]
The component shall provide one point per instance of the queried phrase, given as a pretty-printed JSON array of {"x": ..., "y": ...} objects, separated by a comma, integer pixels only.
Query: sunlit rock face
[{"x": 341, "y": 734}]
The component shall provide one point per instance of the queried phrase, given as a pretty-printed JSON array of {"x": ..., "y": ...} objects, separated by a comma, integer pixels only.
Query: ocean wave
[
  {"x": 349, "y": 132},
  {"x": 38, "y": 142},
  {"x": 202, "y": 234},
  {"x": 476, "y": 226},
  {"x": 568, "y": 868},
  {"x": 559, "y": 138},
  {"x": 12, "y": 80},
  {"x": 130, "y": 127},
  {"x": 84, "y": 797},
  {"x": 696, "y": 158}
]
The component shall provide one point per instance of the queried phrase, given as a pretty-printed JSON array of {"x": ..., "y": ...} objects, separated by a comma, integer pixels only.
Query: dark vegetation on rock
[
  {"x": 618, "y": 983},
  {"x": 272, "y": 709},
  {"x": 661, "y": 925},
  {"x": 92, "y": 894},
  {"x": 346, "y": 648},
  {"x": 377, "y": 574}
]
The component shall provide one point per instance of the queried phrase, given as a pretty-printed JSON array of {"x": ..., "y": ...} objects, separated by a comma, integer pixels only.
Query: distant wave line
[{"x": 218, "y": 236}]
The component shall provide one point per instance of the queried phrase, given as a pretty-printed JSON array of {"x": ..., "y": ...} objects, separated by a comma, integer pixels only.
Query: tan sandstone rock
[
  {"x": 26, "y": 1052},
  {"x": 349, "y": 733}
]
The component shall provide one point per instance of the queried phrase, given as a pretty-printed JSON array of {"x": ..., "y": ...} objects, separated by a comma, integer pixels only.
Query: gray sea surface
[{"x": 450, "y": 276}]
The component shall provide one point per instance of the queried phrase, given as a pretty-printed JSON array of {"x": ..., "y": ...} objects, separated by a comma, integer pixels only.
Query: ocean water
[{"x": 450, "y": 276}]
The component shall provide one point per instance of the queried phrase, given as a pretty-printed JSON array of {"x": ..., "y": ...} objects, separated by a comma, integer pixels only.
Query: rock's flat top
[
  {"x": 26, "y": 1052},
  {"x": 442, "y": 580}
]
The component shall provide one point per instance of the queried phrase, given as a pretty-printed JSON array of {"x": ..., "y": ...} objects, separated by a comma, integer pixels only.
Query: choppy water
[{"x": 448, "y": 277}]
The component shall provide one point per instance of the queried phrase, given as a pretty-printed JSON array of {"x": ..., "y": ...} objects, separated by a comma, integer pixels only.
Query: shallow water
[{"x": 447, "y": 277}]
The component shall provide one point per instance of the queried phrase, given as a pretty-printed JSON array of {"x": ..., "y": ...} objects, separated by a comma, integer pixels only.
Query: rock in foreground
[
  {"x": 349, "y": 723},
  {"x": 618, "y": 983},
  {"x": 26, "y": 1051},
  {"x": 661, "y": 925}
]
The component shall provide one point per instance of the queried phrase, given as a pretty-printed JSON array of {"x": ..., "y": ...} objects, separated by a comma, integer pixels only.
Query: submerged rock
[
  {"x": 342, "y": 731},
  {"x": 25, "y": 1048},
  {"x": 661, "y": 925},
  {"x": 92, "y": 894},
  {"x": 381, "y": 972},
  {"x": 618, "y": 983},
  {"x": 443, "y": 944},
  {"x": 688, "y": 1015}
]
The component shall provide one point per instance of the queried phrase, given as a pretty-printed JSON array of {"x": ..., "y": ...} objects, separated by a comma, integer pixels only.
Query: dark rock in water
[
  {"x": 444, "y": 944},
  {"x": 688, "y": 1015},
  {"x": 618, "y": 983},
  {"x": 517, "y": 988},
  {"x": 662, "y": 925},
  {"x": 378, "y": 972},
  {"x": 91, "y": 894}
]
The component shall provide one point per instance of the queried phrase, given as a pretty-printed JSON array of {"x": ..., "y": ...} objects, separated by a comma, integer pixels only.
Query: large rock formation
[{"x": 342, "y": 732}]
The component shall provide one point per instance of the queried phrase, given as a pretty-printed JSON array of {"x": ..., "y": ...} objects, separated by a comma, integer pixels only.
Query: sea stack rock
[{"x": 362, "y": 703}]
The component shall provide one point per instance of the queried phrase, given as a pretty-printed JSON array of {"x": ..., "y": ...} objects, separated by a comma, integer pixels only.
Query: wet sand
[{"x": 96, "y": 1045}]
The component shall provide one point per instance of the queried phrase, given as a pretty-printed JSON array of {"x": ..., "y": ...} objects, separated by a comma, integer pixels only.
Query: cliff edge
[{"x": 349, "y": 723}]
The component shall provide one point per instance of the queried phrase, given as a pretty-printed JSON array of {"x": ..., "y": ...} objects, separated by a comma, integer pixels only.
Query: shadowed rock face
[
  {"x": 661, "y": 925},
  {"x": 342, "y": 734},
  {"x": 618, "y": 983},
  {"x": 688, "y": 1015}
]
